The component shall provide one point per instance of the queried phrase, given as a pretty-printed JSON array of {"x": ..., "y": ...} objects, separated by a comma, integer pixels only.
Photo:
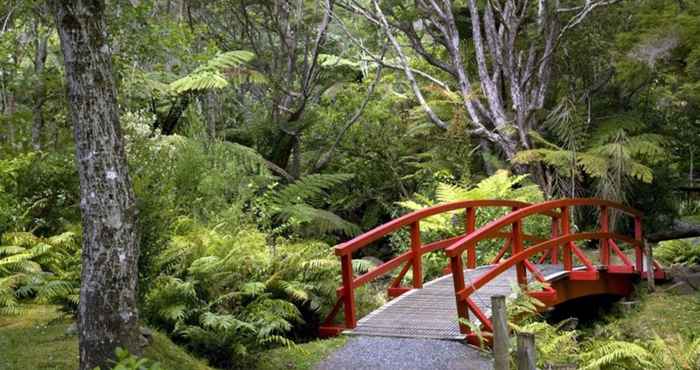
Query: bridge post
[
  {"x": 527, "y": 353},
  {"x": 517, "y": 240},
  {"x": 501, "y": 341},
  {"x": 458, "y": 278},
  {"x": 469, "y": 228},
  {"x": 566, "y": 230},
  {"x": 417, "y": 256},
  {"x": 638, "y": 249},
  {"x": 604, "y": 243},
  {"x": 348, "y": 292},
  {"x": 554, "y": 252}
]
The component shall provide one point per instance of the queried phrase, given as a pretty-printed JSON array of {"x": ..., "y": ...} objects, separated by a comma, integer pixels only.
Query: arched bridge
[{"x": 434, "y": 309}]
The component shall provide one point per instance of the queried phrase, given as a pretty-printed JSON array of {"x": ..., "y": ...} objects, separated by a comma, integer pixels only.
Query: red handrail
[
  {"x": 497, "y": 224},
  {"x": 413, "y": 256},
  {"x": 531, "y": 251},
  {"x": 365, "y": 239}
]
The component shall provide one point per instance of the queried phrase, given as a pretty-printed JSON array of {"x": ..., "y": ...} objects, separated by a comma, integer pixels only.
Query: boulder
[{"x": 146, "y": 336}]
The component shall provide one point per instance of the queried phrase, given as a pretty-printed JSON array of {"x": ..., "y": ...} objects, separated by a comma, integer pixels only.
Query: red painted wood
[
  {"x": 506, "y": 245},
  {"x": 638, "y": 249},
  {"x": 348, "y": 292},
  {"x": 399, "y": 277},
  {"x": 395, "y": 292},
  {"x": 520, "y": 272},
  {"x": 554, "y": 252},
  {"x": 363, "y": 240},
  {"x": 469, "y": 228},
  {"x": 541, "y": 208},
  {"x": 604, "y": 245},
  {"x": 566, "y": 230},
  {"x": 619, "y": 253},
  {"x": 458, "y": 277},
  {"x": 527, "y": 253},
  {"x": 416, "y": 255},
  {"x": 479, "y": 314}
]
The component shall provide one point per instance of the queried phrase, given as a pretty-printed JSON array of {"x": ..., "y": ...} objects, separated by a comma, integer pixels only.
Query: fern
[
  {"x": 617, "y": 355},
  {"x": 292, "y": 204},
  {"x": 217, "y": 72}
]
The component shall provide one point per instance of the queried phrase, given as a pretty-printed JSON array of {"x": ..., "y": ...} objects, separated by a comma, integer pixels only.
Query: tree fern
[
  {"x": 293, "y": 203},
  {"x": 216, "y": 73}
]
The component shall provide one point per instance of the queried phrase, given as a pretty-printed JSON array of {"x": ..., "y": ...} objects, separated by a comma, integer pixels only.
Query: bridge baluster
[
  {"x": 348, "y": 291},
  {"x": 604, "y": 243},
  {"x": 554, "y": 252},
  {"x": 566, "y": 230},
  {"x": 458, "y": 281},
  {"x": 417, "y": 255},
  {"x": 470, "y": 225},
  {"x": 517, "y": 244},
  {"x": 638, "y": 249}
]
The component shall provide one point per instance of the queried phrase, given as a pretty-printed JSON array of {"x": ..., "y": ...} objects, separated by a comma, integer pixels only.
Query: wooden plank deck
[{"x": 431, "y": 312}]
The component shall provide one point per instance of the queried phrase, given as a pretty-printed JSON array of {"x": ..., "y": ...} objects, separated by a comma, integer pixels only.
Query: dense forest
[{"x": 184, "y": 168}]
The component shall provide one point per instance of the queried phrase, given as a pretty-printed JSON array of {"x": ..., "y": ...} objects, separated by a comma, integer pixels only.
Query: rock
[
  {"x": 628, "y": 306},
  {"x": 569, "y": 324},
  {"x": 681, "y": 288},
  {"x": 695, "y": 268},
  {"x": 693, "y": 280},
  {"x": 72, "y": 329},
  {"x": 146, "y": 336}
]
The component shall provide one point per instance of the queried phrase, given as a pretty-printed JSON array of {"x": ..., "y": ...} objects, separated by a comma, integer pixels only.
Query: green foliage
[
  {"x": 127, "y": 361},
  {"x": 216, "y": 73},
  {"x": 291, "y": 205},
  {"x": 501, "y": 185},
  {"x": 230, "y": 295},
  {"x": 38, "y": 192},
  {"x": 614, "y": 153},
  {"x": 684, "y": 251},
  {"x": 46, "y": 270}
]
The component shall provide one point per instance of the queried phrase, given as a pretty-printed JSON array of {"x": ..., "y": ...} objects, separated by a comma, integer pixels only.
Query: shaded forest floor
[{"x": 38, "y": 340}]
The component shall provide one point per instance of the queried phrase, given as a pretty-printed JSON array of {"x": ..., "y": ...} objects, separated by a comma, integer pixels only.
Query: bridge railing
[
  {"x": 412, "y": 259},
  {"x": 561, "y": 239}
]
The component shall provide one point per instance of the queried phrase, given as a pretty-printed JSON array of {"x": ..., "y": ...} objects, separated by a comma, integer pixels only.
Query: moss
[
  {"x": 37, "y": 340},
  {"x": 665, "y": 314},
  {"x": 304, "y": 356}
]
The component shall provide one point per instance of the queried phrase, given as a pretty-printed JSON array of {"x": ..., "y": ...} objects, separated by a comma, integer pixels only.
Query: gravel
[{"x": 371, "y": 352}]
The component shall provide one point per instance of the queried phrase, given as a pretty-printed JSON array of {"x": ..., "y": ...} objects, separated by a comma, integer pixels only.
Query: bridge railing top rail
[
  {"x": 483, "y": 232},
  {"x": 368, "y": 237}
]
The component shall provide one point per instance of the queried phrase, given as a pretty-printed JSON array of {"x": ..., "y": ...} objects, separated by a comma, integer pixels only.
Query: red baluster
[
  {"x": 348, "y": 292},
  {"x": 417, "y": 255},
  {"x": 604, "y": 243},
  {"x": 470, "y": 225},
  {"x": 566, "y": 230}
]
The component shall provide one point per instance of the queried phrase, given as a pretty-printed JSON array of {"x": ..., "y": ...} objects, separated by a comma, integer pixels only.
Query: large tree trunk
[{"x": 107, "y": 313}]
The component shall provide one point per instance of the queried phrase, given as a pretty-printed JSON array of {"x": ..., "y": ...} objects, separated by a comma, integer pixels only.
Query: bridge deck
[{"x": 431, "y": 312}]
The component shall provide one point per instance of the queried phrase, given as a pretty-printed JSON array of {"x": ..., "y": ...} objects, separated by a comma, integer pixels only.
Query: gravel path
[{"x": 388, "y": 353}]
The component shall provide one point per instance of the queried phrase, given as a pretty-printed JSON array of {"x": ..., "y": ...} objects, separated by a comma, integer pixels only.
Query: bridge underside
[{"x": 431, "y": 312}]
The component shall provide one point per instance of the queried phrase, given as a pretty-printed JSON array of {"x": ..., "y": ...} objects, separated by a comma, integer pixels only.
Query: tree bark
[
  {"x": 678, "y": 230},
  {"x": 107, "y": 314}
]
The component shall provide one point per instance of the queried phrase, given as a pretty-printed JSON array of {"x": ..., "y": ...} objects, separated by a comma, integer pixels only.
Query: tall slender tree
[{"x": 107, "y": 313}]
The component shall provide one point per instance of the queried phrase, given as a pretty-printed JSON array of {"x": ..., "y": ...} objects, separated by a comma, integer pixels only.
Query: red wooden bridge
[{"x": 433, "y": 309}]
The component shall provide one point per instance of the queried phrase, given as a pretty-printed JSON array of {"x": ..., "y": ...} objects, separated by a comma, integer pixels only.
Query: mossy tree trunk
[{"x": 107, "y": 313}]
